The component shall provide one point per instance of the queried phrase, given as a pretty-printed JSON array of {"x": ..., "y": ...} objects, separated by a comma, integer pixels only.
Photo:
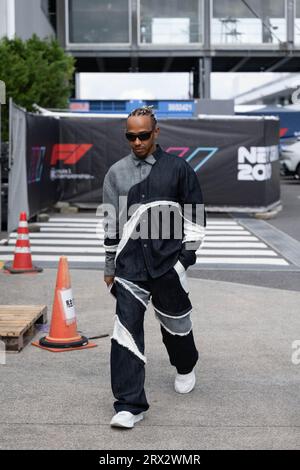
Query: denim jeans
[{"x": 172, "y": 307}]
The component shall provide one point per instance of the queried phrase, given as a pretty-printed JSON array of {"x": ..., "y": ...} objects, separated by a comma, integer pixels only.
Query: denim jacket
[{"x": 158, "y": 218}]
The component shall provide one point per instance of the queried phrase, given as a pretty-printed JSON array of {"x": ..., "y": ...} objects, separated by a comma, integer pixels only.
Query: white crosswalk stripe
[{"x": 81, "y": 240}]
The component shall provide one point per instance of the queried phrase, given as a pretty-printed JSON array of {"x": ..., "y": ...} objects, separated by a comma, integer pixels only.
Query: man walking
[{"x": 156, "y": 192}]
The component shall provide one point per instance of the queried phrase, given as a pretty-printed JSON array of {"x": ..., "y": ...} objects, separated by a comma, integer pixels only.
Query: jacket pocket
[
  {"x": 112, "y": 288},
  {"x": 180, "y": 269}
]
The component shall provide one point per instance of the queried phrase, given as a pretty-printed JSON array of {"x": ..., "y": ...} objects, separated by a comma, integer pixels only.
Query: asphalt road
[{"x": 247, "y": 390}]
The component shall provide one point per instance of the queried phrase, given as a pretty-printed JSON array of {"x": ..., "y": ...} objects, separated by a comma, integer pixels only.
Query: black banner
[
  {"x": 101, "y": 143},
  {"x": 41, "y": 135},
  {"x": 236, "y": 159}
]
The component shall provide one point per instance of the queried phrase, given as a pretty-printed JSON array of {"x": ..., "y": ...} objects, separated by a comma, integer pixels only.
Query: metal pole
[
  {"x": 61, "y": 23},
  {"x": 205, "y": 62},
  {"x": 2, "y": 101},
  {"x": 10, "y": 162},
  {"x": 290, "y": 13},
  {"x": 0, "y": 173},
  {"x": 206, "y": 29},
  {"x": 204, "y": 77}
]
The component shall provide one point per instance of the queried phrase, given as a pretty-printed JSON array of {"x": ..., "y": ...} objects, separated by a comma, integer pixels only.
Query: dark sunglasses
[{"x": 142, "y": 136}]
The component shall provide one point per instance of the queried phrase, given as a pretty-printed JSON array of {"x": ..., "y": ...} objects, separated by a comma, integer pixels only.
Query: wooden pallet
[{"x": 18, "y": 324}]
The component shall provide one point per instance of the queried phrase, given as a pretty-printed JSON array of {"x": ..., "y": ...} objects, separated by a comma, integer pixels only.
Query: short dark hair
[{"x": 144, "y": 111}]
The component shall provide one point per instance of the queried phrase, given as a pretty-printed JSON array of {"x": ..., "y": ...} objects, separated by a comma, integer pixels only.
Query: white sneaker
[
  {"x": 125, "y": 419},
  {"x": 184, "y": 383}
]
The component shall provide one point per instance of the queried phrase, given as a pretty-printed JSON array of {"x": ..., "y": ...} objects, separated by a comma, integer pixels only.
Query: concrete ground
[{"x": 246, "y": 397}]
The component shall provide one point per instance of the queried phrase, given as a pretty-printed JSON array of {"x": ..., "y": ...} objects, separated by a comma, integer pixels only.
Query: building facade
[
  {"x": 171, "y": 35},
  {"x": 196, "y": 36}
]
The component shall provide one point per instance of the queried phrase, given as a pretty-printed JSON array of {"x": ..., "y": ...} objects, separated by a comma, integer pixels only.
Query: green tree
[{"x": 35, "y": 71}]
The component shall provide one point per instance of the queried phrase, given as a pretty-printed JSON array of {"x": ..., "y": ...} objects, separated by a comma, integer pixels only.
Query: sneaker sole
[
  {"x": 117, "y": 424},
  {"x": 185, "y": 392}
]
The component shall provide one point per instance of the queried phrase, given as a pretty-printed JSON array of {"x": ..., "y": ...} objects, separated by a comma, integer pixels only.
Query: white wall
[
  {"x": 133, "y": 86},
  {"x": 2, "y": 18},
  {"x": 30, "y": 19},
  {"x": 7, "y": 18},
  {"x": 23, "y": 18}
]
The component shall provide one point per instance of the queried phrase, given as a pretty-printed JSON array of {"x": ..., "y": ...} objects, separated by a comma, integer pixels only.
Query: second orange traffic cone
[{"x": 63, "y": 334}]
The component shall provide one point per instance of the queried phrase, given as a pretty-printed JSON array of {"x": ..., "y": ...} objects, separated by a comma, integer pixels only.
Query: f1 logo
[
  {"x": 200, "y": 155},
  {"x": 69, "y": 153}
]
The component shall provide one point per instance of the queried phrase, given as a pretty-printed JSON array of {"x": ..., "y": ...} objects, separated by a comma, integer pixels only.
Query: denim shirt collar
[{"x": 151, "y": 159}]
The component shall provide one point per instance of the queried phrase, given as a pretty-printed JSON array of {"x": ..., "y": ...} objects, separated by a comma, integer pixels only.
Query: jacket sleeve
[
  {"x": 110, "y": 223},
  {"x": 194, "y": 216}
]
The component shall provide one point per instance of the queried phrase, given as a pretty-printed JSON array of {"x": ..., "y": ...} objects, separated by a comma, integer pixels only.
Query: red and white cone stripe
[{"x": 22, "y": 258}]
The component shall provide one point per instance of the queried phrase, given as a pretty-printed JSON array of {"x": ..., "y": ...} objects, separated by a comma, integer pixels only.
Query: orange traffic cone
[
  {"x": 63, "y": 334},
  {"x": 22, "y": 262}
]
